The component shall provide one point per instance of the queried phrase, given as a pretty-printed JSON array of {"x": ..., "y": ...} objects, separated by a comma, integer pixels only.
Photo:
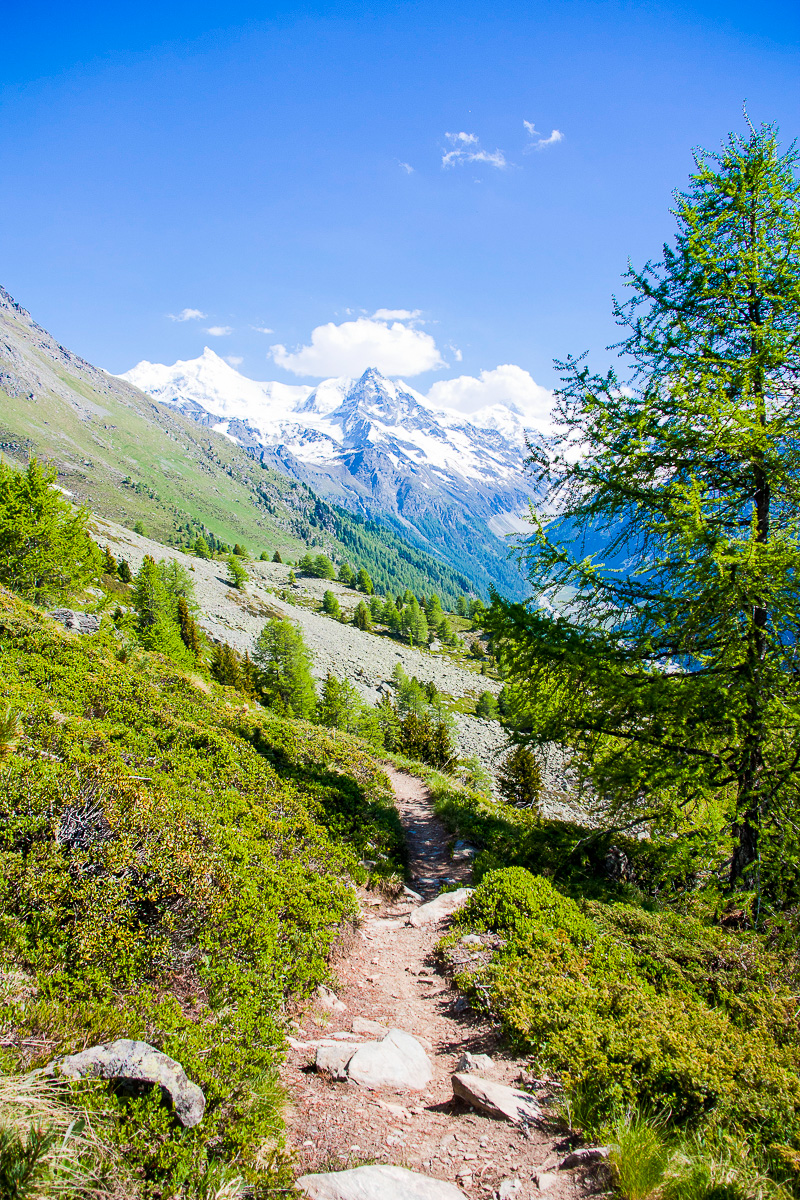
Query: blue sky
[{"x": 284, "y": 168}]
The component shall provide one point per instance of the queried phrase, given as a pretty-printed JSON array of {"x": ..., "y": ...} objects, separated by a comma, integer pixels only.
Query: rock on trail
[
  {"x": 428, "y": 1143},
  {"x": 377, "y": 1183}
]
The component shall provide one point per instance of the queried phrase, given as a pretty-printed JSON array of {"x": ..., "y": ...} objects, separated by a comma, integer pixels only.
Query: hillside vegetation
[{"x": 175, "y": 868}]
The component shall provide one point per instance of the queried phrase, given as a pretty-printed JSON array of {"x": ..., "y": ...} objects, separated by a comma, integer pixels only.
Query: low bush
[
  {"x": 649, "y": 1009},
  {"x": 174, "y": 866}
]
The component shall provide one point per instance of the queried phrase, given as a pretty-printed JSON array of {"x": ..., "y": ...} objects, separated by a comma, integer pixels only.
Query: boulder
[
  {"x": 473, "y": 1063},
  {"x": 137, "y": 1062},
  {"x": 544, "y": 1180},
  {"x": 510, "y": 1189},
  {"x": 496, "y": 1099},
  {"x": 377, "y": 1183},
  {"x": 439, "y": 909},
  {"x": 462, "y": 851},
  {"x": 369, "y": 1028},
  {"x": 584, "y": 1156},
  {"x": 333, "y": 1057},
  {"x": 78, "y": 622},
  {"x": 397, "y": 1062}
]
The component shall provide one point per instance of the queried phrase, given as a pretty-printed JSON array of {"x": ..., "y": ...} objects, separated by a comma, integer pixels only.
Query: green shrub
[
  {"x": 166, "y": 873},
  {"x": 655, "y": 1010}
]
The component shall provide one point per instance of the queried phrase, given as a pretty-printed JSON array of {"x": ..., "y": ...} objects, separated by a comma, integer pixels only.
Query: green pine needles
[
  {"x": 669, "y": 661},
  {"x": 46, "y": 553}
]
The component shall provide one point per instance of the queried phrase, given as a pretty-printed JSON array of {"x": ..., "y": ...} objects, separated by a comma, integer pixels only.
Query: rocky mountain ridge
[
  {"x": 132, "y": 459},
  {"x": 456, "y": 485}
]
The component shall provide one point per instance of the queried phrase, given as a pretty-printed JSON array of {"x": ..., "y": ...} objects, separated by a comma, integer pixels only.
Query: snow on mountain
[
  {"x": 375, "y": 445},
  {"x": 318, "y": 424}
]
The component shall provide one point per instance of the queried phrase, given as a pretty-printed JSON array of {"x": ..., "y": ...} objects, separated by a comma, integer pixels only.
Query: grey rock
[
  {"x": 377, "y": 1183},
  {"x": 544, "y": 1180},
  {"x": 78, "y": 622},
  {"x": 496, "y": 1099},
  {"x": 138, "y": 1062},
  {"x": 333, "y": 1057},
  {"x": 472, "y": 939},
  {"x": 510, "y": 1189},
  {"x": 397, "y": 1062},
  {"x": 439, "y": 909},
  {"x": 463, "y": 851},
  {"x": 329, "y": 1000},
  {"x": 412, "y": 895},
  {"x": 369, "y": 1028},
  {"x": 584, "y": 1156},
  {"x": 474, "y": 1063}
]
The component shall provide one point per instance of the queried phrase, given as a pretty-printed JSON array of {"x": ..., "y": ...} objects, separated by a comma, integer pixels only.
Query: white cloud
[
  {"x": 348, "y": 349},
  {"x": 396, "y": 314},
  {"x": 188, "y": 314},
  {"x": 262, "y": 329},
  {"x": 407, "y": 167},
  {"x": 508, "y": 384},
  {"x": 466, "y": 149},
  {"x": 541, "y": 142},
  {"x": 235, "y": 360},
  {"x": 219, "y": 330}
]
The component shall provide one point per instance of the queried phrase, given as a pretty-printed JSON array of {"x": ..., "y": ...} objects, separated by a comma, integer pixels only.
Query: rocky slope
[{"x": 454, "y": 485}]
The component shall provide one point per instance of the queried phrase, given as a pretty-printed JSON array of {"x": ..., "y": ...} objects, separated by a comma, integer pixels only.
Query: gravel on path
[{"x": 390, "y": 973}]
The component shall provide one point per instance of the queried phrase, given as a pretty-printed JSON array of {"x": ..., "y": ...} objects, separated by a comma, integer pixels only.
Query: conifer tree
[
  {"x": 361, "y": 617},
  {"x": 673, "y": 670},
  {"x": 190, "y": 634},
  {"x": 157, "y": 612},
  {"x": 330, "y": 605},
  {"x": 519, "y": 779},
  {"x": 124, "y": 571},
  {"x": 237, "y": 576},
  {"x": 225, "y": 666},
  {"x": 45, "y": 550},
  {"x": 283, "y": 663}
]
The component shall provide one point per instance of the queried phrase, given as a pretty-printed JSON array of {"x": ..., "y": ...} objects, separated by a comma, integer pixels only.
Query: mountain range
[
  {"x": 452, "y": 485},
  {"x": 131, "y": 459}
]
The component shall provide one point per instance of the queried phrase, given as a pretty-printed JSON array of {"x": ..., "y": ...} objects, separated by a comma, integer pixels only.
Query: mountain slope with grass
[
  {"x": 169, "y": 874},
  {"x": 132, "y": 460}
]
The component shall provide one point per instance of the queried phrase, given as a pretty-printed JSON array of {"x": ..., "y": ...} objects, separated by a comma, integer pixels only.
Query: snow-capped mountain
[{"x": 375, "y": 446}]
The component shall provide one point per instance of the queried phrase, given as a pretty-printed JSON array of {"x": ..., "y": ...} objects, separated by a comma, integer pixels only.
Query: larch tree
[
  {"x": 46, "y": 553},
  {"x": 669, "y": 660}
]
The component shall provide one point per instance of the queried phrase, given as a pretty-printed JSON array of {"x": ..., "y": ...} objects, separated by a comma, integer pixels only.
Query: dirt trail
[{"x": 389, "y": 975}]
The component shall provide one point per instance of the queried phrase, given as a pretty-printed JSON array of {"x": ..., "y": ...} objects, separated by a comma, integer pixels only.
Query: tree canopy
[
  {"x": 45, "y": 549},
  {"x": 283, "y": 664},
  {"x": 668, "y": 659}
]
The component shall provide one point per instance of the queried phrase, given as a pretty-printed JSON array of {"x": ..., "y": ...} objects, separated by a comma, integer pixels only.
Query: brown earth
[{"x": 389, "y": 973}]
